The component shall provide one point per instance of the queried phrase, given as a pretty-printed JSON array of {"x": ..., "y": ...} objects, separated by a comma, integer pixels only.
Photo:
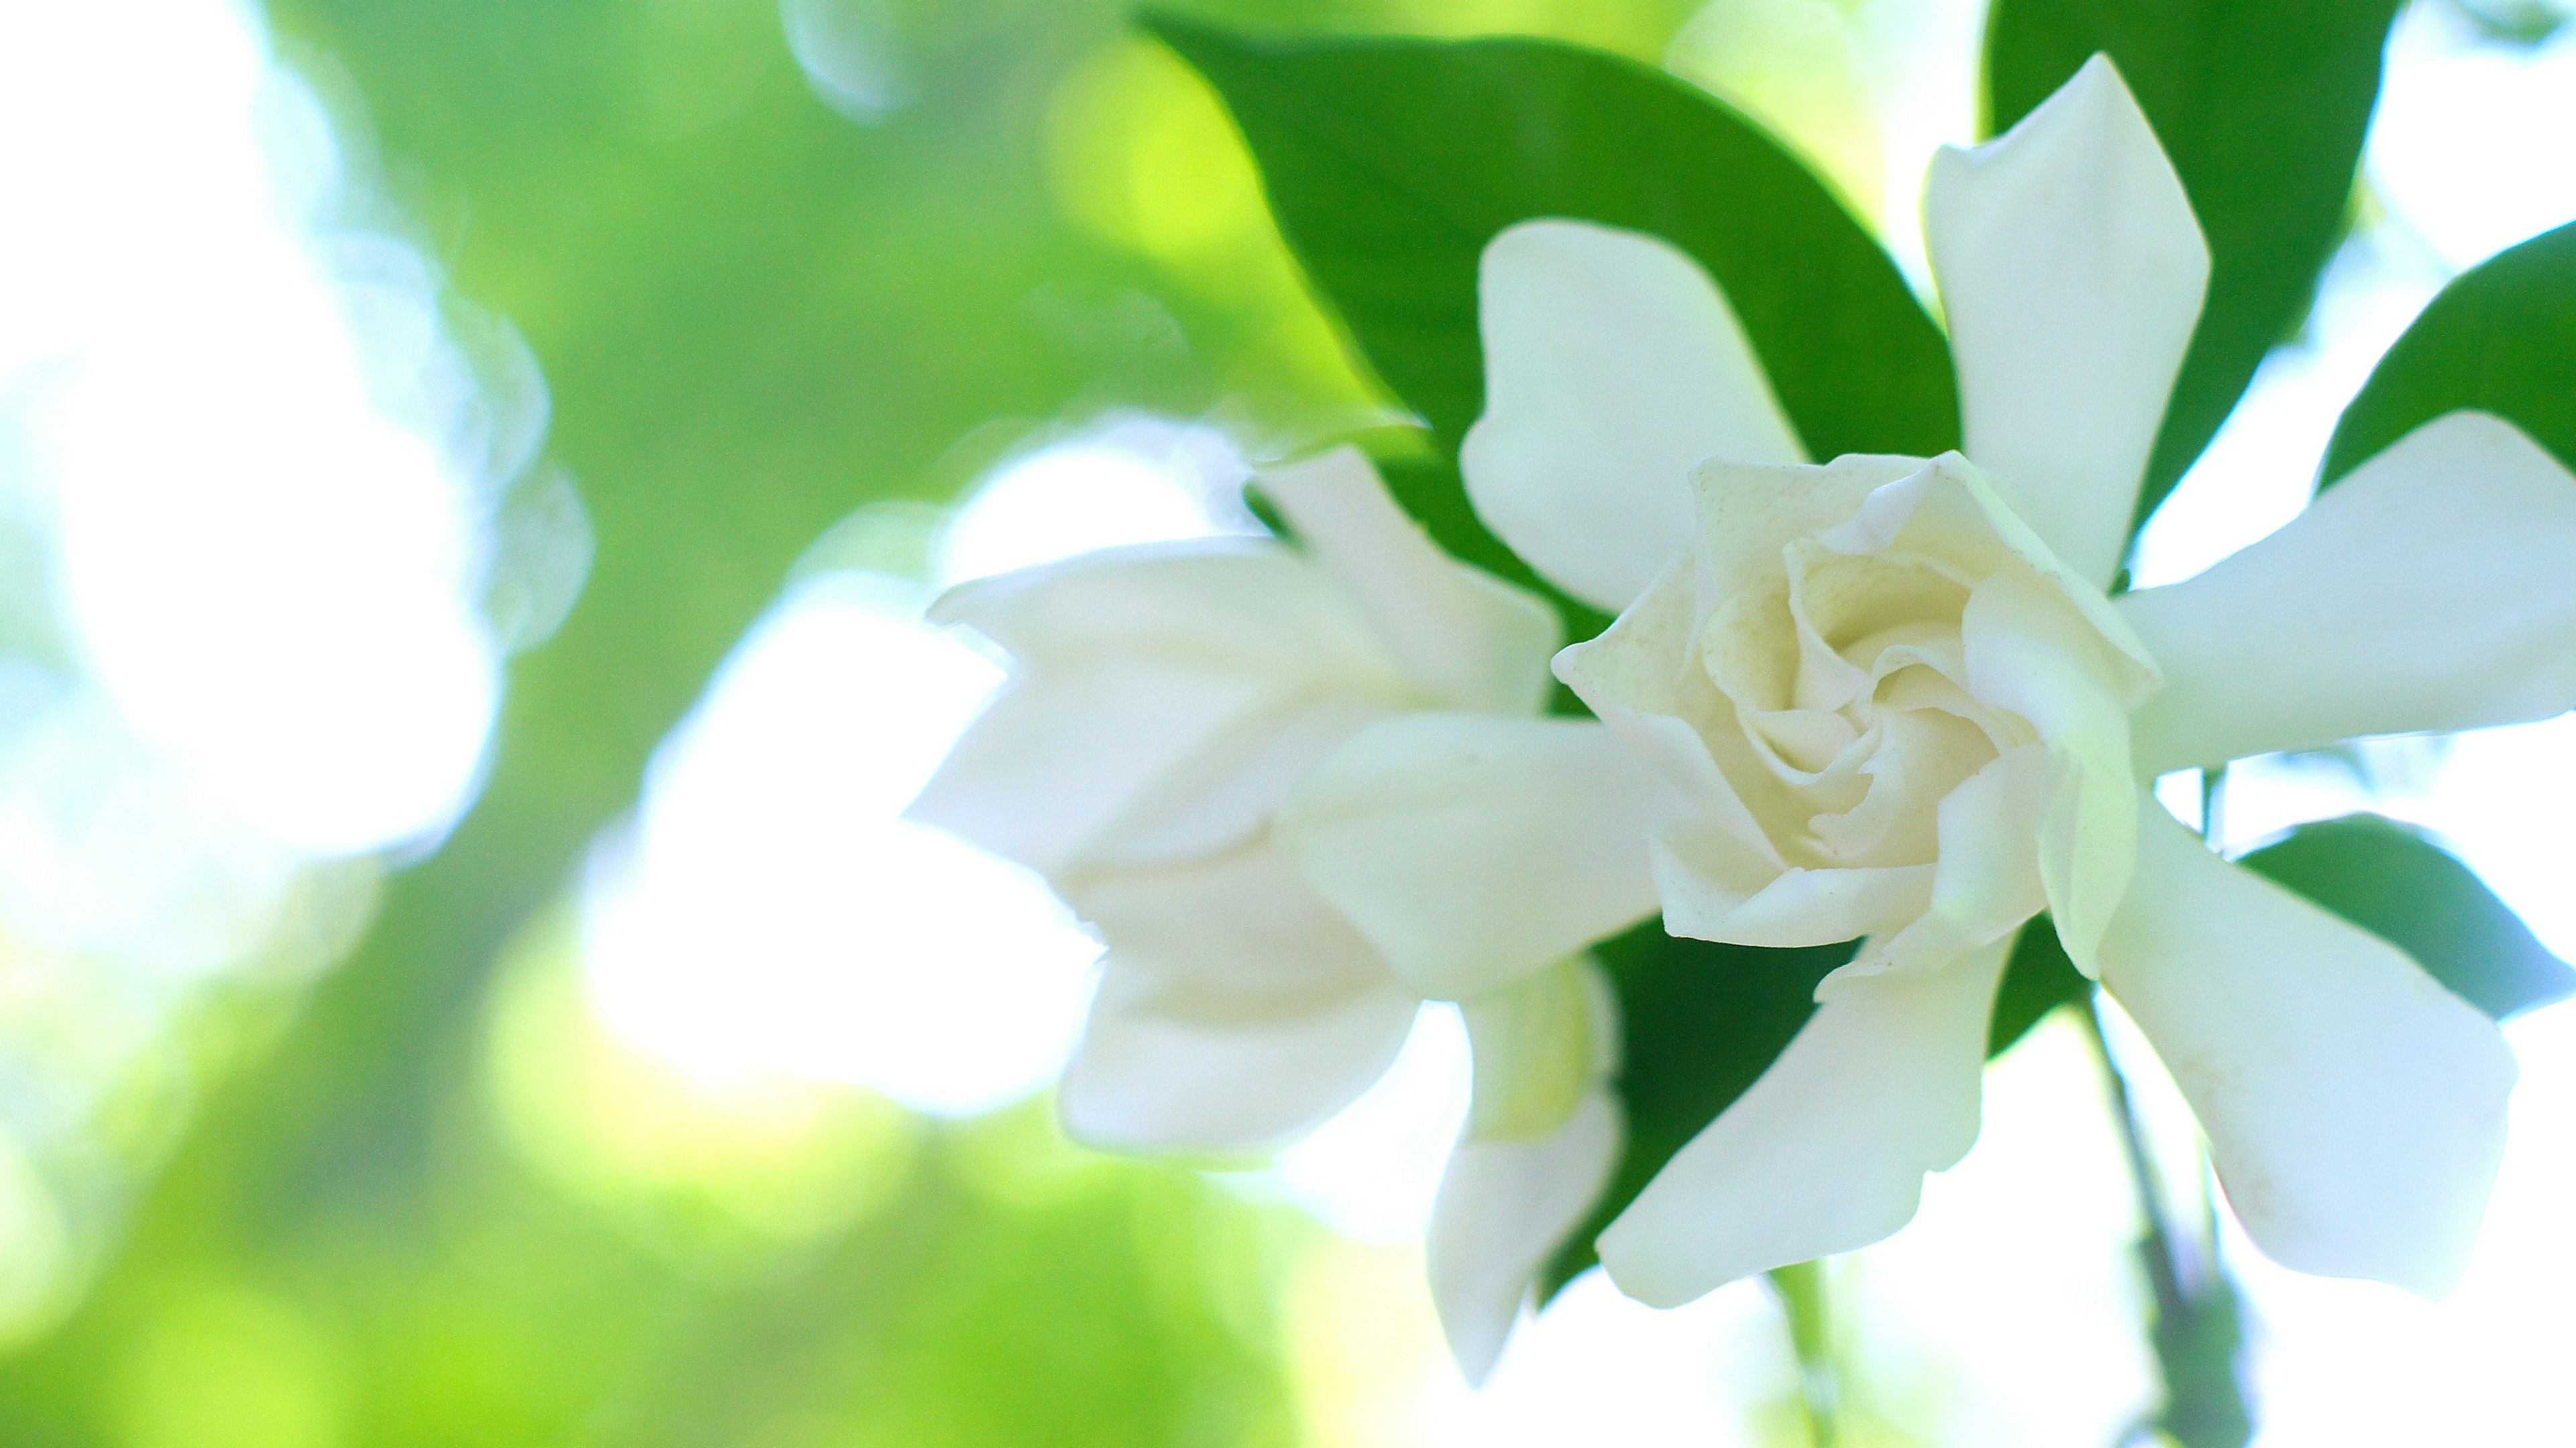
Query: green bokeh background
[{"x": 424, "y": 1201}]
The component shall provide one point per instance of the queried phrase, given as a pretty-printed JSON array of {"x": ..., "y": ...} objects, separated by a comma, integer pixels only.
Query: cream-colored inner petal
[{"x": 1847, "y": 684}]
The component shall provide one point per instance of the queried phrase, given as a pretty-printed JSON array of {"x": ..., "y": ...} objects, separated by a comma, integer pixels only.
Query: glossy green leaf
[
  {"x": 2038, "y": 979},
  {"x": 1390, "y": 163},
  {"x": 2501, "y": 338},
  {"x": 2400, "y": 886},
  {"x": 2262, "y": 105}
]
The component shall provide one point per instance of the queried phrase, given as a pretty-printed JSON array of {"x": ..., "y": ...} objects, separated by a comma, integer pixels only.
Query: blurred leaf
[
  {"x": 2500, "y": 338},
  {"x": 1390, "y": 164},
  {"x": 2262, "y": 105},
  {"x": 2403, "y": 888},
  {"x": 2037, "y": 979},
  {"x": 1702, "y": 1021}
]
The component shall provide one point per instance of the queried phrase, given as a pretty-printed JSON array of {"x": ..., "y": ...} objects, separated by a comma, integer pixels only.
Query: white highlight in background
[{"x": 770, "y": 911}]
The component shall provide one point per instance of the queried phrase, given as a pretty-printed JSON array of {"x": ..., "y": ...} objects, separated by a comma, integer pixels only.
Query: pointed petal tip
[
  {"x": 1476, "y": 1346},
  {"x": 2074, "y": 271}
]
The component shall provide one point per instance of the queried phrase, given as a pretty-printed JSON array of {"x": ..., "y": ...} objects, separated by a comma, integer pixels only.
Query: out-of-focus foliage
[
  {"x": 2500, "y": 338},
  {"x": 2390, "y": 880},
  {"x": 417, "y": 1206},
  {"x": 1391, "y": 164},
  {"x": 2261, "y": 104}
]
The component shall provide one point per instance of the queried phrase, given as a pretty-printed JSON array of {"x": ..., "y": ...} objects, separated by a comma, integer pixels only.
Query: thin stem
[
  {"x": 1801, "y": 1289},
  {"x": 2164, "y": 1267}
]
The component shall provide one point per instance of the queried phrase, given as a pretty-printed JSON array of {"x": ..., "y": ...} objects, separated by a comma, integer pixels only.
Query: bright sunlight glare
[{"x": 769, "y": 911}]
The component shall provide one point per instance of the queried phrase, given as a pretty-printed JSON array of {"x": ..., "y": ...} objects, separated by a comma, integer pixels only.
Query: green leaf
[
  {"x": 1702, "y": 1022},
  {"x": 2501, "y": 337},
  {"x": 2262, "y": 105},
  {"x": 2398, "y": 885},
  {"x": 2038, "y": 979},
  {"x": 1390, "y": 163}
]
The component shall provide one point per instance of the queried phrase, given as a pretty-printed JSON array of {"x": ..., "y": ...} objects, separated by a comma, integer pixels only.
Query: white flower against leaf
[
  {"x": 1888, "y": 698},
  {"x": 1163, "y": 703}
]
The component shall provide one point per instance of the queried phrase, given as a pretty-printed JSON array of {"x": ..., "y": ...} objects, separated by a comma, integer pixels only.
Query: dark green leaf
[
  {"x": 1391, "y": 163},
  {"x": 2038, "y": 979},
  {"x": 2400, "y": 886},
  {"x": 2501, "y": 337},
  {"x": 2262, "y": 105},
  {"x": 1703, "y": 1021}
]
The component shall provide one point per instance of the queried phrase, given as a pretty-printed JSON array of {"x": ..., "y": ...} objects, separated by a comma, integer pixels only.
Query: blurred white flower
[
  {"x": 1164, "y": 702},
  {"x": 1890, "y": 699}
]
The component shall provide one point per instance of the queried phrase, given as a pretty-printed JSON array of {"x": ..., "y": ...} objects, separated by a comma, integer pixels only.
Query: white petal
[
  {"x": 1949, "y": 509},
  {"x": 1613, "y": 367},
  {"x": 2431, "y": 589},
  {"x": 2355, "y": 1109},
  {"x": 2028, "y": 652},
  {"x": 1469, "y": 639},
  {"x": 1541, "y": 1140},
  {"x": 1988, "y": 879},
  {"x": 1639, "y": 678},
  {"x": 1473, "y": 850},
  {"x": 1161, "y": 702},
  {"x": 1235, "y": 1011},
  {"x": 1504, "y": 1209},
  {"x": 2072, "y": 273},
  {"x": 1709, "y": 891},
  {"x": 1828, "y": 1149},
  {"x": 1540, "y": 1044}
]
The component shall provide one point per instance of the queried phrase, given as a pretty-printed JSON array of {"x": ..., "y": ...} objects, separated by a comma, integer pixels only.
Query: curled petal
[
  {"x": 1987, "y": 880},
  {"x": 1236, "y": 1011},
  {"x": 1613, "y": 367},
  {"x": 2430, "y": 589},
  {"x": 1717, "y": 892},
  {"x": 1473, "y": 850},
  {"x": 2072, "y": 271},
  {"x": 1470, "y": 640},
  {"x": 2355, "y": 1109},
  {"x": 1828, "y": 1150},
  {"x": 1639, "y": 678}
]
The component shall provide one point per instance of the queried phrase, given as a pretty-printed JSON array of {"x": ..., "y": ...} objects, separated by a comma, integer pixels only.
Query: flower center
[{"x": 1848, "y": 686}]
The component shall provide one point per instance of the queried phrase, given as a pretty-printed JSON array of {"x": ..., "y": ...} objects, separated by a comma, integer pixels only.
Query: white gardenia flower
[
  {"x": 1162, "y": 702},
  {"x": 1890, "y": 699}
]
